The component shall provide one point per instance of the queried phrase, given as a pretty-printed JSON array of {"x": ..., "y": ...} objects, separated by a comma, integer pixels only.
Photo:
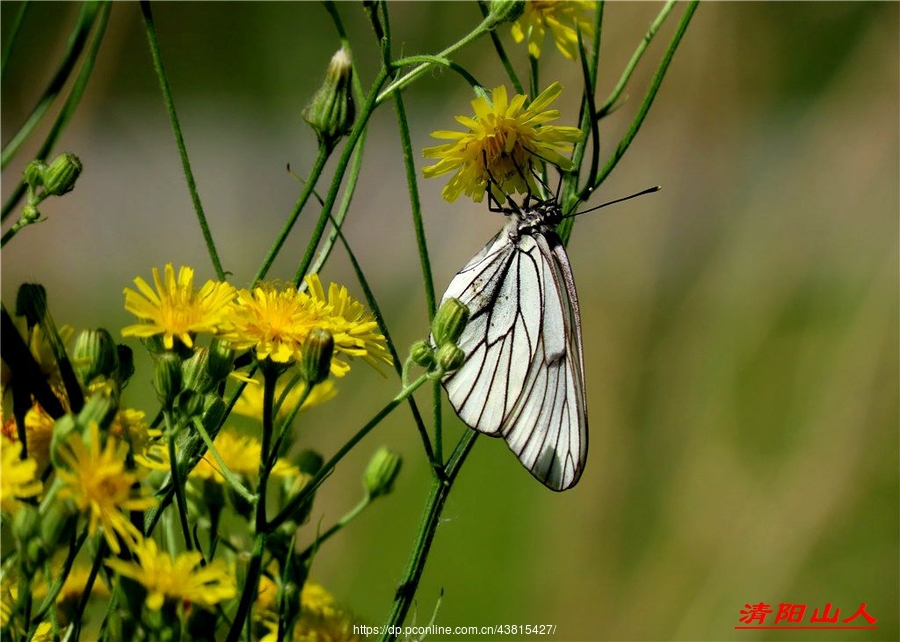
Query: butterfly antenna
[{"x": 649, "y": 190}]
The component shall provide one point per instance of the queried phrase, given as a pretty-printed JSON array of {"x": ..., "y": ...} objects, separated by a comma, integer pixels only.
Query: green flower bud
[
  {"x": 315, "y": 363},
  {"x": 381, "y": 472},
  {"x": 30, "y": 214},
  {"x": 213, "y": 411},
  {"x": 167, "y": 378},
  {"x": 61, "y": 175},
  {"x": 57, "y": 525},
  {"x": 505, "y": 11},
  {"x": 126, "y": 364},
  {"x": 422, "y": 354},
  {"x": 95, "y": 355},
  {"x": 221, "y": 360},
  {"x": 449, "y": 322},
  {"x": 190, "y": 403},
  {"x": 309, "y": 462},
  {"x": 450, "y": 357},
  {"x": 34, "y": 173},
  {"x": 331, "y": 111},
  {"x": 196, "y": 372}
]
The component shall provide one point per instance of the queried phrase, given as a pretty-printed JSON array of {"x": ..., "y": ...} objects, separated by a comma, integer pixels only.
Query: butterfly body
[{"x": 523, "y": 375}]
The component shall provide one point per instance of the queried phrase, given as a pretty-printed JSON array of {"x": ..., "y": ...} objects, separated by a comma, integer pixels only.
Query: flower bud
[
  {"x": 505, "y": 11},
  {"x": 450, "y": 357},
  {"x": 221, "y": 360},
  {"x": 61, "y": 175},
  {"x": 381, "y": 472},
  {"x": 422, "y": 354},
  {"x": 167, "y": 378},
  {"x": 95, "y": 355},
  {"x": 449, "y": 322},
  {"x": 214, "y": 410},
  {"x": 196, "y": 372},
  {"x": 30, "y": 214},
  {"x": 315, "y": 364},
  {"x": 331, "y": 111},
  {"x": 34, "y": 173},
  {"x": 100, "y": 408}
]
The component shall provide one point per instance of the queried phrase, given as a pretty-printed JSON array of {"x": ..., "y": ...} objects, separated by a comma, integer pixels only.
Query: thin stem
[
  {"x": 501, "y": 52},
  {"x": 251, "y": 585},
  {"x": 180, "y": 500},
  {"x": 300, "y": 498},
  {"x": 12, "y": 36},
  {"x": 427, "y": 529},
  {"x": 354, "y": 512},
  {"x": 648, "y": 100},
  {"x": 308, "y": 189},
  {"x": 636, "y": 57},
  {"x": 339, "y": 172},
  {"x": 486, "y": 25},
  {"x": 179, "y": 138},
  {"x": 77, "y": 42},
  {"x": 223, "y": 468},
  {"x": 379, "y": 318}
]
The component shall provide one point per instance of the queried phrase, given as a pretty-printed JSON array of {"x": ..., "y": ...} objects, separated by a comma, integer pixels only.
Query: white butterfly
[{"x": 523, "y": 375}]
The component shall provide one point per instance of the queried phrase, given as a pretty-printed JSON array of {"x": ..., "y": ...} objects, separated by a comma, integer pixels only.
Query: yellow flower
[
  {"x": 17, "y": 476},
  {"x": 276, "y": 322},
  {"x": 241, "y": 454},
  {"x": 355, "y": 332},
  {"x": 504, "y": 142},
  {"x": 559, "y": 16},
  {"x": 176, "y": 309},
  {"x": 180, "y": 579},
  {"x": 99, "y": 484},
  {"x": 251, "y": 400},
  {"x": 321, "y": 619}
]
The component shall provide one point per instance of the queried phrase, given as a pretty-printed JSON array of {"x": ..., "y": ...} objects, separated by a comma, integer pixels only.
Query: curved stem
[
  {"x": 306, "y": 493},
  {"x": 427, "y": 530},
  {"x": 179, "y": 138}
]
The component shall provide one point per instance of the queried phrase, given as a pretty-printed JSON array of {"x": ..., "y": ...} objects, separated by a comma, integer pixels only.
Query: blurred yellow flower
[
  {"x": 241, "y": 454},
  {"x": 505, "y": 141},
  {"x": 181, "y": 578},
  {"x": 176, "y": 309},
  {"x": 560, "y": 17},
  {"x": 17, "y": 476},
  {"x": 250, "y": 403},
  {"x": 100, "y": 485}
]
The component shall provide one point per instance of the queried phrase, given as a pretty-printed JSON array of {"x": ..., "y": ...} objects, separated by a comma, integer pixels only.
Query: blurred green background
[{"x": 740, "y": 326}]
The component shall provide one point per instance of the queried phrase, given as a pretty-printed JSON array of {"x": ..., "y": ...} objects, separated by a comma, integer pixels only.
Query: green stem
[
  {"x": 251, "y": 585},
  {"x": 308, "y": 189},
  {"x": 342, "y": 522},
  {"x": 180, "y": 500},
  {"x": 179, "y": 138},
  {"x": 427, "y": 529},
  {"x": 339, "y": 171},
  {"x": 223, "y": 469},
  {"x": 307, "y": 491},
  {"x": 648, "y": 100},
  {"x": 12, "y": 36},
  {"x": 68, "y": 109},
  {"x": 501, "y": 52},
  {"x": 77, "y": 42},
  {"x": 486, "y": 25},
  {"x": 635, "y": 58}
]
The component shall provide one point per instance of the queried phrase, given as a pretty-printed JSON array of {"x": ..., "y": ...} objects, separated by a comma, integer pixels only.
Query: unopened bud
[
  {"x": 317, "y": 352},
  {"x": 381, "y": 472},
  {"x": 505, "y": 11},
  {"x": 422, "y": 354},
  {"x": 331, "y": 111},
  {"x": 30, "y": 214},
  {"x": 450, "y": 357},
  {"x": 34, "y": 173},
  {"x": 196, "y": 372},
  {"x": 62, "y": 173},
  {"x": 167, "y": 378},
  {"x": 449, "y": 322},
  {"x": 95, "y": 355},
  {"x": 221, "y": 360}
]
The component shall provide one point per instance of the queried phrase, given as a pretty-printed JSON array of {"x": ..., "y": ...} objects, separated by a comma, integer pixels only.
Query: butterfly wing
[{"x": 523, "y": 373}]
